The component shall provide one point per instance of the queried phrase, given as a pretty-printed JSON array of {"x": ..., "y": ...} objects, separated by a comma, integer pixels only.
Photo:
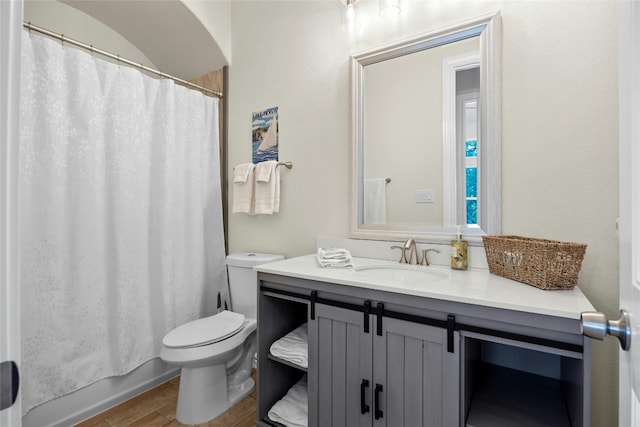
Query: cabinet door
[
  {"x": 339, "y": 361},
  {"x": 419, "y": 378}
]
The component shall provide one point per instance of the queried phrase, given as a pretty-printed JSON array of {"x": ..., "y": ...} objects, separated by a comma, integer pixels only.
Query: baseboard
[{"x": 96, "y": 398}]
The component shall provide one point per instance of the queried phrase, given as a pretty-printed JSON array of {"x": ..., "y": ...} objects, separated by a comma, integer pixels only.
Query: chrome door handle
[{"x": 595, "y": 325}]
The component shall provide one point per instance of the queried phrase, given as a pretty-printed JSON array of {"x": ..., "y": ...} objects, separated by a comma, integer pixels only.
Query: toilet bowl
[
  {"x": 216, "y": 353},
  {"x": 214, "y": 374}
]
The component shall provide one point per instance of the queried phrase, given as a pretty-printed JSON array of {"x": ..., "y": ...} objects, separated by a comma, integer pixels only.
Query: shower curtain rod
[{"x": 65, "y": 39}]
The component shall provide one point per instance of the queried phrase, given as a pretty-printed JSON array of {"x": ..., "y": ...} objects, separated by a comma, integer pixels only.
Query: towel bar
[{"x": 287, "y": 165}]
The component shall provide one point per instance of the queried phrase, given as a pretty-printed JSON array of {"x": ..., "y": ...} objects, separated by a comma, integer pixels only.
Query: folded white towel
[
  {"x": 293, "y": 347},
  {"x": 264, "y": 170},
  {"x": 333, "y": 253},
  {"x": 243, "y": 184},
  {"x": 241, "y": 172},
  {"x": 292, "y": 410},
  {"x": 342, "y": 263},
  {"x": 334, "y": 258},
  {"x": 267, "y": 188}
]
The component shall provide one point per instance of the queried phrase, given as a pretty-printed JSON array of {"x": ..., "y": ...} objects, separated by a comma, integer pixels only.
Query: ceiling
[{"x": 167, "y": 32}]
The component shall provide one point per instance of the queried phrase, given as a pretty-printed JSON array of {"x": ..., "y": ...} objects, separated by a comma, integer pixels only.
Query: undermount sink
[{"x": 399, "y": 272}]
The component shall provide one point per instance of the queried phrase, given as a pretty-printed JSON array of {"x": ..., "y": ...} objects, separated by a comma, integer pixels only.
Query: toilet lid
[{"x": 205, "y": 331}]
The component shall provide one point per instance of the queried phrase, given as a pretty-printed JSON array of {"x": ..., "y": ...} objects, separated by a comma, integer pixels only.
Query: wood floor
[{"x": 157, "y": 407}]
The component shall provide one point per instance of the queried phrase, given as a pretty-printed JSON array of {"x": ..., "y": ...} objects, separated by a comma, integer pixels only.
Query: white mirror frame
[{"x": 490, "y": 159}]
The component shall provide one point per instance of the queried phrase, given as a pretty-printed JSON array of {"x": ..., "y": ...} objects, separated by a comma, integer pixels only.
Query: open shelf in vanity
[
  {"x": 516, "y": 383},
  {"x": 276, "y": 376}
]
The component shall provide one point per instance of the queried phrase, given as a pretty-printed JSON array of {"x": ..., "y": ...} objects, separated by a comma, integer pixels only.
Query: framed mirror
[{"x": 426, "y": 135}]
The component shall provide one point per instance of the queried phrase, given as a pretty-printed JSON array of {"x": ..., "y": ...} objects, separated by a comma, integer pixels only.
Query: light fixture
[
  {"x": 389, "y": 8},
  {"x": 350, "y": 15}
]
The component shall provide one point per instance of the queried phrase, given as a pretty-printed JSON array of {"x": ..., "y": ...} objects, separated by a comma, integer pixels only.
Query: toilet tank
[{"x": 243, "y": 280}]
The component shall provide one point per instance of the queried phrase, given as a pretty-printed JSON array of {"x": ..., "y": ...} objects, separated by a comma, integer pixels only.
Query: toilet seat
[{"x": 205, "y": 331}]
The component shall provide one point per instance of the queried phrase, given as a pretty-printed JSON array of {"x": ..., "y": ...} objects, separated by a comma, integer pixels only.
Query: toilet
[{"x": 216, "y": 352}]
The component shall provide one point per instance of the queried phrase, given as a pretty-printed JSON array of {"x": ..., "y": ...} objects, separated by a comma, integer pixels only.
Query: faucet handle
[
  {"x": 403, "y": 256},
  {"x": 425, "y": 252}
]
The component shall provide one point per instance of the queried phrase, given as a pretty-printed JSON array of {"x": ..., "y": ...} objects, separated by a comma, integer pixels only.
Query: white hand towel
[
  {"x": 334, "y": 258},
  {"x": 264, "y": 170},
  {"x": 333, "y": 253},
  {"x": 292, "y": 410},
  {"x": 243, "y": 184},
  {"x": 375, "y": 201},
  {"x": 293, "y": 347},
  {"x": 267, "y": 188},
  {"x": 241, "y": 172}
]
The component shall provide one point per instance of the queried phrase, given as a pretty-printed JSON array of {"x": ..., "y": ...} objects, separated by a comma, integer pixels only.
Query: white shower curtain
[{"x": 121, "y": 217}]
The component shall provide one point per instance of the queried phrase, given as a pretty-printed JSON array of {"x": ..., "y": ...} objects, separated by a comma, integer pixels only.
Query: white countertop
[{"x": 473, "y": 286}]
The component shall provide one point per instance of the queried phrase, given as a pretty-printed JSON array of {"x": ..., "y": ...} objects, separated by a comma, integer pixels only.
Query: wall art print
[{"x": 265, "y": 135}]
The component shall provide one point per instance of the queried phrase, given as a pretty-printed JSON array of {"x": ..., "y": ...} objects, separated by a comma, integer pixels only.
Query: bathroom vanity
[{"x": 396, "y": 345}]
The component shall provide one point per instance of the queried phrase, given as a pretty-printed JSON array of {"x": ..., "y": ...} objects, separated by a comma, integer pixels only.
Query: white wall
[
  {"x": 559, "y": 128},
  {"x": 63, "y": 19},
  {"x": 216, "y": 18}
]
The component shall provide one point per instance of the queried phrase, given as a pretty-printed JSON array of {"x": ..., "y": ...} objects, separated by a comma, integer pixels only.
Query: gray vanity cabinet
[
  {"x": 393, "y": 373},
  {"x": 383, "y": 359}
]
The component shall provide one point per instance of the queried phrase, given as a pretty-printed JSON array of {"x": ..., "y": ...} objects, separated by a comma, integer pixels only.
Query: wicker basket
[{"x": 545, "y": 264}]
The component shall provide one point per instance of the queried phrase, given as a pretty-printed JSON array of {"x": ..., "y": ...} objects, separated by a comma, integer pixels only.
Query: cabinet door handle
[
  {"x": 364, "y": 408},
  {"x": 376, "y": 402}
]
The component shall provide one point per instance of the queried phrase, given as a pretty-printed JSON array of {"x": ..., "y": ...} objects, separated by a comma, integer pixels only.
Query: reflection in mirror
[
  {"x": 403, "y": 114},
  {"x": 461, "y": 203},
  {"x": 425, "y": 157},
  {"x": 468, "y": 173}
]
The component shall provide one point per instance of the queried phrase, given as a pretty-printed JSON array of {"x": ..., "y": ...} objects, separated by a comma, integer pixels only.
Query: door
[
  {"x": 416, "y": 380},
  {"x": 629, "y": 228},
  {"x": 627, "y": 327},
  {"x": 10, "y": 33},
  {"x": 340, "y": 386}
]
